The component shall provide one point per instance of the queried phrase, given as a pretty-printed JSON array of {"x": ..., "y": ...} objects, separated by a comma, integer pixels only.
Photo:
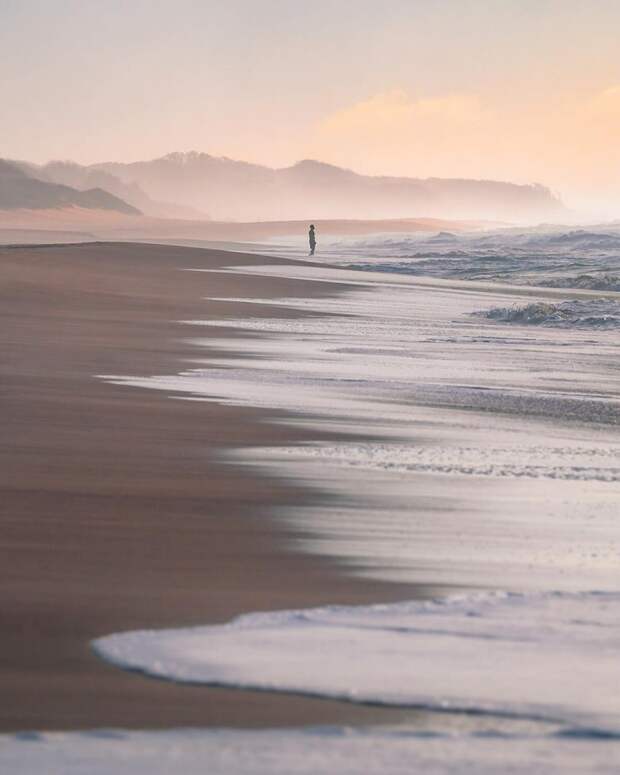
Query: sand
[
  {"x": 115, "y": 513},
  {"x": 75, "y": 224}
]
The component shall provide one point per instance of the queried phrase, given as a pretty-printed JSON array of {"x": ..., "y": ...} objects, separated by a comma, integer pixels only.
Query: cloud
[
  {"x": 391, "y": 132},
  {"x": 564, "y": 139},
  {"x": 399, "y": 124},
  {"x": 395, "y": 106},
  {"x": 395, "y": 111},
  {"x": 606, "y": 106}
]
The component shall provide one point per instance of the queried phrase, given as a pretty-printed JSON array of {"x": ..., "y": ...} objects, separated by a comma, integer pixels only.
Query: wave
[
  {"x": 398, "y": 750},
  {"x": 542, "y": 462},
  {"x": 498, "y": 654},
  {"x": 547, "y": 256},
  {"x": 585, "y": 281},
  {"x": 526, "y": 256},
  {"x": 582, "y": 314},
  {"x": 581, "y": 239}
]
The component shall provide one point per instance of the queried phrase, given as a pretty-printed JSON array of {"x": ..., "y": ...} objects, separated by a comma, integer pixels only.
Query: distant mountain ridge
[
  {"x": 84, "y": 178},
  {"x": 226, "y": 189},
  {"x": 19, "y": 190},
  {"x": 198, "y": 185}
]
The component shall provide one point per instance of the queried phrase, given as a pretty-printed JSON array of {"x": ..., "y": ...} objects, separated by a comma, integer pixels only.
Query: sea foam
[
  {"x": 547, "y": 256},
  {"x": 539, "y": 656},
  {"x": 325, "y": 750},
  {"x": 574, "y": 313}
]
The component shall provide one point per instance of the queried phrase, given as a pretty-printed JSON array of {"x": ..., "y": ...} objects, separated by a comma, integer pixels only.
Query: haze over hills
[
  {"x": 19, "y": 190},
  {"x": 201, "y": 185},
  {"x": 226, "y": 189},
  {"x": 83, "y": 178}
]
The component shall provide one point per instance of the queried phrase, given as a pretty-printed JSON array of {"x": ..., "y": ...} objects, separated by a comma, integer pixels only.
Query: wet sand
[
  {"x": 115, "y": 513},
  {"x": 75, "y": 224}
]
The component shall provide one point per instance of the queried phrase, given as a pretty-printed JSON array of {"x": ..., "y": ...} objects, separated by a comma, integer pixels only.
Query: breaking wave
[
  {"x": 495, "y": 653},
  {"x": 586, "y": 282},
  {"x": 547, "y": 257},
  {"x": 575, "y": 313}
]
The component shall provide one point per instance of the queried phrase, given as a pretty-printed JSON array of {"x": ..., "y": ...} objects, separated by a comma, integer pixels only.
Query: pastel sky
[{"x": 525, "y": 90}]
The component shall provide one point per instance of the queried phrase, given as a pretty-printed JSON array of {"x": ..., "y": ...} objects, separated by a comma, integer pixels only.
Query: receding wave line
[{"x": 456, "y": 655}]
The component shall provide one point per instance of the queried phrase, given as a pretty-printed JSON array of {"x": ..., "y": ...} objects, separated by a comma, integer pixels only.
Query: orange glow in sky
[{"x": 518, "y": 90}]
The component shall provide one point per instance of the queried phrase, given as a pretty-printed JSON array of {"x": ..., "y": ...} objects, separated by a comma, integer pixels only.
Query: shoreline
[{"x": 116, "y": 514}]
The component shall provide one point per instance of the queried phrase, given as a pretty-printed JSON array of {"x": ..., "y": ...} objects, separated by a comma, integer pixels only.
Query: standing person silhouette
[{"x": 312, "y": 239}]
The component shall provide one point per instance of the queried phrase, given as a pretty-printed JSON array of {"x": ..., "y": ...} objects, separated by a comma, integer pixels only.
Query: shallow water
[
  {"x": 341, "y": 751},
  {"x": 473, "y": 453},
  {"x": 574, "y": 313},
  {"x": 540, "y": 656},
  {"x": 487, "y": 457},
  {"x": 548, "y": 256}
]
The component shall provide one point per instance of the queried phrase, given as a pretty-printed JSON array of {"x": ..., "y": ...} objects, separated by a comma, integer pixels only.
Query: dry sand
[{"x": 115, "y": 514}]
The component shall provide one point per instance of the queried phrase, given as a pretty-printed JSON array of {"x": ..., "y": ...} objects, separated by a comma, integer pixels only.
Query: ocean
[{"x": 471, "y": 386}]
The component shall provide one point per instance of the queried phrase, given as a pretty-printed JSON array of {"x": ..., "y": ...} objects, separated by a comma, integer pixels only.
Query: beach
[
  {"x": 116, "y": 513},
  {"x": 357, "y": 508},
  {"x": 310, "y": 377}
]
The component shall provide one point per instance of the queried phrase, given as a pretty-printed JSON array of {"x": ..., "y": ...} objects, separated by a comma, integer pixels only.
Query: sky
[{"x": 521, "y": 90}]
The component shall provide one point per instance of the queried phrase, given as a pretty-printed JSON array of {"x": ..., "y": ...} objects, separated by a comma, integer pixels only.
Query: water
[
  {"x": 476, "y": 447},
  {"x": 574, "y": 313},
  {"x": 475, "y": 452},
  {"x": 494, "y": 654},
  {"x": 547, "y": 256},
  {"x": 333, "y": 751}
]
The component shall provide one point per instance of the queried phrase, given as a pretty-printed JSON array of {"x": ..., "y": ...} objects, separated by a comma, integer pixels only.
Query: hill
[
  {"x": 229, "y": 189},
  {"x": 19, "y": 190},
  {"x": 198, "y": 186},
  {"x": 84, "y": 178}
]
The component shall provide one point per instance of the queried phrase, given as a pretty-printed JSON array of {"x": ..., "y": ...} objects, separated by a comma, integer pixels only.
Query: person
[{"x": 312, "y": 239}]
